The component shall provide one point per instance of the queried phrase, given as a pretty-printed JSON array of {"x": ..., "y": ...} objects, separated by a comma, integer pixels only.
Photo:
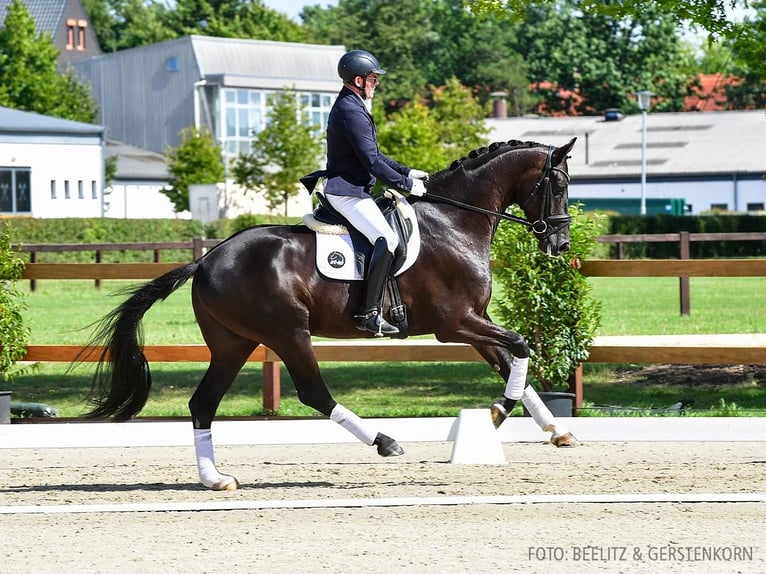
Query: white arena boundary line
[
  {"x": 324, "y": 431},
  {"x": 387, "y": 502}
]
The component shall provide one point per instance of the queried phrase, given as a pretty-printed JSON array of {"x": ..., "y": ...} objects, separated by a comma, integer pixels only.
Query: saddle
[{"x": 343, "y": 252}]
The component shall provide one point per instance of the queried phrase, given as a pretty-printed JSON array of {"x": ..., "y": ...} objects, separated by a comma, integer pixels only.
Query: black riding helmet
[{"x": 358, "y": 63}]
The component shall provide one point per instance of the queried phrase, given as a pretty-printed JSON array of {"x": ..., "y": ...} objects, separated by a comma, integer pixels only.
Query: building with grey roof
[
  {"x": 49, "y": 167},
  {"x": 708, "y": 160},
  {"x": 147, "y": 95},
  {"x": 67, "y": 24}
]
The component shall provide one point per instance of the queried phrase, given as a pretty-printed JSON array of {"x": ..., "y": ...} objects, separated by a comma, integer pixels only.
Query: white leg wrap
[
  {"x": 542, "y": 415},
  {"x": 352, "y": 424},
  {"x": 514, "y": 389},
  {"x": 208, "y": 474}
]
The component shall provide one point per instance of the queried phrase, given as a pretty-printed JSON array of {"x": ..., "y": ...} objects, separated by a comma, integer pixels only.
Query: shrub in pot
[{"x": 546, "y": 299}]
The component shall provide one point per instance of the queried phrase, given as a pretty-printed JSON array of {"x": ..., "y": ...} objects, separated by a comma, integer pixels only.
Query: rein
[{"x": 539, "y": 227}]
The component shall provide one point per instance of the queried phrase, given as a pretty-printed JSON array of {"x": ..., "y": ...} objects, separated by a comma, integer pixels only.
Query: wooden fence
[
  {"x": 198, "y": 246},
  {"x": 684, "y": 240},
  {"x": 710, "y": 349}
]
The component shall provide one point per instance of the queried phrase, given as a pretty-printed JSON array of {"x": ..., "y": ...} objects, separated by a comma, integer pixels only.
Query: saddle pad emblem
[{"x": 336, "y": 259}]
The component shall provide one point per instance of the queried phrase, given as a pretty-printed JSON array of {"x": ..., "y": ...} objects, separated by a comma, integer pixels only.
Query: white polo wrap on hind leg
[
  {"x": 542, "y": 415},
  {"x": 352, "y": 424},
  {"x": 208, "y": 473},
  {"x": 514, "y": 388}
]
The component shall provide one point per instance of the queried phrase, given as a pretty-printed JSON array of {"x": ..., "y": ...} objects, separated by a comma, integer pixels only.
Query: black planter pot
[
  {"x": 560, "y": 404},
  {"x": 5, "y": 407}
]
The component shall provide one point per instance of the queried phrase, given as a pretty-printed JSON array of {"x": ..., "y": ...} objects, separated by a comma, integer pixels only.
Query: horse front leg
[
  {"x": 508, "y": 353},
  {"x": 300, "y": 361}
]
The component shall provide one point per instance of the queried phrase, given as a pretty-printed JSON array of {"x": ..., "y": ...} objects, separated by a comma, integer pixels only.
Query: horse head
[
  {"x": 542, "y": 192},
  {"x": 529, "y": 174}
]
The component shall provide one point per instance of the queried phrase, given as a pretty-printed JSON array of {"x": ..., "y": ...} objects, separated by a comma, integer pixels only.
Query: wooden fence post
[
  {"x": 32, "y": 259},
  {"x": 575, "y": 387},
  {"x": 197, "y": 247},
  {"x": 272, "y": 389},
  {"x": 683, "y": 282},
  {"x": 98, "y": 260}
]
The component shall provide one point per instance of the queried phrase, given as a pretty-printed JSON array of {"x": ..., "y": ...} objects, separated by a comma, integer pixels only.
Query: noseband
[{"x": 547, "y": 223}]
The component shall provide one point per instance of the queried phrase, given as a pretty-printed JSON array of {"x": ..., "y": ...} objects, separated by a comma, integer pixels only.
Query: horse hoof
[
  {"x": 498, "y": 412},
  {"x": 226, "y": 483},
  {"x": 387, "y": 446},
  {"x": 564, "y": 440}
]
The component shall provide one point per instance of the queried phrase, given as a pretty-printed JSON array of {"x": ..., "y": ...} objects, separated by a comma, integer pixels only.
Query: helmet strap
[{"x": 364, "y": 87}]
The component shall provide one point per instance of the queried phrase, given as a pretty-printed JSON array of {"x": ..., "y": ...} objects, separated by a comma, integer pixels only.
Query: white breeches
[{"x": 365, "y": 216}]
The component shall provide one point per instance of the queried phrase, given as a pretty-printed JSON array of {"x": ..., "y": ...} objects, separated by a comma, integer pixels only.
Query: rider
[{"x": 354, "y": 162}]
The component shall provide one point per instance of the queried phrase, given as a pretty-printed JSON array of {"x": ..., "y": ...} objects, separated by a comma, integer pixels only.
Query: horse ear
[{"x": 561, "y": 153}]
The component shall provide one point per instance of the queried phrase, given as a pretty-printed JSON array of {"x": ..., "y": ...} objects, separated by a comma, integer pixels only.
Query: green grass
[{"x": 61, "y": 311}]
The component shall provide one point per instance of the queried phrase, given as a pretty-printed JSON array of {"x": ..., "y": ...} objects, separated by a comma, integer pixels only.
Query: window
[
  {"x": 53, "y": 189},
  {"x": 318, "y": 108},
  {"x": 755, "y": 206},
  {"x": 67, "y": 194},
  {"x": 93, "y": 190},
  {"x": 15, "y": 190},
  {"x": 719, "y": 207},
  {"x": 245, "y": 113},
  {"x": 76, "y": 34},
  {"x": 80, "y": 190}
]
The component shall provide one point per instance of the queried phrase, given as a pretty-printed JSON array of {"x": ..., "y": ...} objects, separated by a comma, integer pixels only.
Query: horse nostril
[{"x": 564, "y": 247}]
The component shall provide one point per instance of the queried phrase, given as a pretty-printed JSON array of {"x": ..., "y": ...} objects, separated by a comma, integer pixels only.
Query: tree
[
  {"x": 284, "y": 151},
  {"x": 121, "y": 24},
  {"x": 196, "y": 160},
  {"x": 431, "y": 137},
  {"x": 605, "y": 60},
  {"x": 399, "y": 34},
  {"x": 29, "y": 79},
  {"x": 710, "y": 14},
  {"x": 233, "y": 19}
]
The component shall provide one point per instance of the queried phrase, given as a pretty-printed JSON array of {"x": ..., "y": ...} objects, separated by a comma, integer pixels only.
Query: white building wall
[
  {"x": 78, "y": 166},
  {"x": 701, "y": 195},
  {"x": 140, "y": 201}
]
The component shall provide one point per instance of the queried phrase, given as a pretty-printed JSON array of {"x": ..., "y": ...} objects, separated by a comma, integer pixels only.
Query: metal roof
[
  {"x": 266, "y": 64},
  {"x": 47, "y": 14},
  {"x": 677, "y": 144},
  {"x": 136, "y": 164},
  {"x": 19, "y": 122}
]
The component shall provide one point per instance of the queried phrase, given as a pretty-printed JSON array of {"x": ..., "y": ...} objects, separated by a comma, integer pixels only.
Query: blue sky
[{"x": 293, "y": 7}]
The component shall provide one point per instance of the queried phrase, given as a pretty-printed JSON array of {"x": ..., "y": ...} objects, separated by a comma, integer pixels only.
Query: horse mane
[{"x": 481, "y": 156}]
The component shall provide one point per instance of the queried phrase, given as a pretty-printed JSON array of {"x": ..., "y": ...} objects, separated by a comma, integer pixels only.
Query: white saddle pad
[{"x": 335, "y": 251}]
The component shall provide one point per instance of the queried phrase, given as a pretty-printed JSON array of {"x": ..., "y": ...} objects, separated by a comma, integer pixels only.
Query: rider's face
[{"x": 368, "y": 86}]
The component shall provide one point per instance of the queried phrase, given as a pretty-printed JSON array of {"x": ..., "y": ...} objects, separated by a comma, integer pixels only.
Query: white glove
[
  {"x": 418, "y": 174},
  {"x": 418, "y": 188}
]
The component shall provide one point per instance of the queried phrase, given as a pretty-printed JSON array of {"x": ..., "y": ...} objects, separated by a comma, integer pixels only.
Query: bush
[
  {"x": 546, "y": 299},
  {"x": 14, "y": 336}
]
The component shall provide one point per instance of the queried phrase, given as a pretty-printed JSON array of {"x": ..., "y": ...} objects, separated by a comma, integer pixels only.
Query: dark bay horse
[{"x": 261, "y": 287}]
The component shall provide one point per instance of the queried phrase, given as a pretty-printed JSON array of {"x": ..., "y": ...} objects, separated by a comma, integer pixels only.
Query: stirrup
[{"x": 372, "y": 321}]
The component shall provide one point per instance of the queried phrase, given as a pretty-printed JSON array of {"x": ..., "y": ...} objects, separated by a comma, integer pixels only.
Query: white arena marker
[{"x": 476, "y": 441}]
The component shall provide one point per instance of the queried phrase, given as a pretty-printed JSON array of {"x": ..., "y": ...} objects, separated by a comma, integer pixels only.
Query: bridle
[{"x": 545, "y": 225}]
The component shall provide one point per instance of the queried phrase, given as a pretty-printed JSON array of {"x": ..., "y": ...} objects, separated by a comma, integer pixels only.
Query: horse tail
[{"x": 122, "y": 379}]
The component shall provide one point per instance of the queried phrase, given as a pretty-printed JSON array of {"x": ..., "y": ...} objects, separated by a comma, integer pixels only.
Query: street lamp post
[{"x": 644, "y": 100}]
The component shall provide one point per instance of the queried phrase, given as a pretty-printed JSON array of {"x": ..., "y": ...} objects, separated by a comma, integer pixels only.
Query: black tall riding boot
[{"x": 370, "y": 317}]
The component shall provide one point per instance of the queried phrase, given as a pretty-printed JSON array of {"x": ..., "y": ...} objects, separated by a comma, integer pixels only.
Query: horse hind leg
[
  {"x": 203, "y": 405},
  {"x": 300, "y": 361}
]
